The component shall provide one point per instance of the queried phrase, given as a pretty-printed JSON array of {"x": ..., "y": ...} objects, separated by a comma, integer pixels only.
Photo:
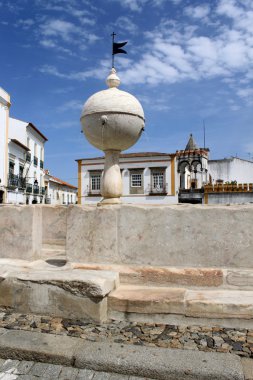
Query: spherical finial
[{"x": 113, "y": 79}]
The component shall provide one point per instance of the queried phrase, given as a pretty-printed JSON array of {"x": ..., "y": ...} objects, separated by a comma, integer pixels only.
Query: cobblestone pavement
[
  {"x": 26, "y": 370},
  {"x": 236, "y": 341}
]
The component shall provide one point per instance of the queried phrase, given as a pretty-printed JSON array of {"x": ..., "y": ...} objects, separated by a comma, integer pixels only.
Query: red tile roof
[{"x": 55, "y": 179}]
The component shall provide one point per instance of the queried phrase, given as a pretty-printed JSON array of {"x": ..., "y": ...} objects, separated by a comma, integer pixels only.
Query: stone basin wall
[{"x": 180, "y": 235}]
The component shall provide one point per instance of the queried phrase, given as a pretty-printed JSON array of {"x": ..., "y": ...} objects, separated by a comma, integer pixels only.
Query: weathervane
[{"x": 116, "y": 48}]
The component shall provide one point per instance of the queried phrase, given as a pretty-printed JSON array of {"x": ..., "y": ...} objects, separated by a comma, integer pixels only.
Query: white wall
[
  {"x": 4, "y": 115},
  {"x": 231, "y": 169},
  {"x": 127, "y": 164},
  {"x": 56, "y": 191}
]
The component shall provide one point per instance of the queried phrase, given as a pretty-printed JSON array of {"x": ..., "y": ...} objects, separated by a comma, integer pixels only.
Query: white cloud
[
  {"x": 200, "y": 11},
  {"x": 72, "y": 105},
  {"x": 126, "y": 24}
]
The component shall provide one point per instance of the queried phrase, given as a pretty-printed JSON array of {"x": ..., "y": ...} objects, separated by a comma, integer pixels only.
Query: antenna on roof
[{"x": 204, "y": 130}]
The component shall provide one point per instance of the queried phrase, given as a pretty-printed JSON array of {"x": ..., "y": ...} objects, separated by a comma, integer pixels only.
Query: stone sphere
[{"x": 112, "y": 119}]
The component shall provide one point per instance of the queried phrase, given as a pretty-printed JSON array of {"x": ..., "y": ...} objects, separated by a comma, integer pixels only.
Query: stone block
[
  {"x": 219, "y": 304},
  {"x": 160, "y": 276},
  {"x": 68, "y": 294},
  {"x": 92, "y": 234},
  {"x": 54, "y": 224},
  {"x": 20, "y": 232},
  {"x": 141, "y": 299},
  {"x": 240, "y": 278},
  {"x": 171, "y": 236}
]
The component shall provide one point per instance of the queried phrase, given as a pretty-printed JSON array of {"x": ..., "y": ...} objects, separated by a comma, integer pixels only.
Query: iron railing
[
  {"x": 15, "y": 181},
  {"x": 158, "y": 190}
]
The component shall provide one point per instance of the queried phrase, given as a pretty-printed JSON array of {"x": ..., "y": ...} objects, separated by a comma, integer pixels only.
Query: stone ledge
[
  {"x": 161, "y": 276},
  {"x": 68, "y": 293},
  {"x": 191, "y": 303}
]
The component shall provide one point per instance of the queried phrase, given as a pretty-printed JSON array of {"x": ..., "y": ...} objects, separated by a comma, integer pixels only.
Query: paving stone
[
  {"x": 101, "y": 376},
  {"x": 116, "y": 376},
  {"x": 52, "y": 371},
  {"x": 38, "y": 369},
  {"x": 9, "y": 365},
  {"x": 8, "y": 376},
  {"x": 2, "y": 361},
  {"x": 27, "y": 377},
  {"x": 85, "y": 374},
  {"x": 23, "y": 368},
  {"x": 68, "y": 373}
]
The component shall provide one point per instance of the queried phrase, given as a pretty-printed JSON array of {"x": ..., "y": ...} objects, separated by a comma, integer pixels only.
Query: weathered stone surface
[
  {"x": 54, "y": 224},
  {"x": 92, "y": 234},
  {"x": 240, "y": 278},
  {"x": 20, "y": 232},
  {"x": 247, "y": 368},
  {"x": 126, "y": 234},
  {"x": 160, "y": 276},
  {"x": 219, "y": 304},
  {"x": 140, "y": 299},
  {"x": 69, "y": 294}
]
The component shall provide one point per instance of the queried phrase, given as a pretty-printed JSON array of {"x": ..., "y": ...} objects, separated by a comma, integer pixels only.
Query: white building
[
  {"x": 26, "y": 163},
  {"x": 147, "y": 178},
  {"x": 58, "y": 191},
  {"x": 4, "y": 123},
  {"x": 166, "y": 178},
  {"x": 21, "y": 158},
  {"x": 230, "y": 170}
]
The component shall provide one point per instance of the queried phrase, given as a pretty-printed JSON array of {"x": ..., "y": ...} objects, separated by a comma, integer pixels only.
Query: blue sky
[{"x": 187, "y": 61}]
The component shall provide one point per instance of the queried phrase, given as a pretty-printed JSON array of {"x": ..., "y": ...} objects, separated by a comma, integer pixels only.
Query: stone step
[
  {"x": 202, "y": 303},
  {"x": 63, "y": 293},
  {"x": 227, "y": 278},
  {"x": 161, "y": 276}
]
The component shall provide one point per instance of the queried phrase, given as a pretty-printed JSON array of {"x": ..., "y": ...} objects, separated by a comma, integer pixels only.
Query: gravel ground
[{"x": 236, "y": 341}]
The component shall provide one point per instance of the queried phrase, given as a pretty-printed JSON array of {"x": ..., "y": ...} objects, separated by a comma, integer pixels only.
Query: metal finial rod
[{"x": 113, "y": 35}]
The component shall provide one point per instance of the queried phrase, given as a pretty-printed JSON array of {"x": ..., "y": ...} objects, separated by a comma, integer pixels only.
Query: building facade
[
  {"x": 4, "y": 126},
  {"x": 26, "y": 162},
  {"x": 147, "y": 178},
  {"x": 187, "y": 176},
  {"x": 59, "y": 192}
]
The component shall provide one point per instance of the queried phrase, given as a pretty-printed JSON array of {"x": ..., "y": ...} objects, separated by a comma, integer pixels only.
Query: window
[
  {"x": 158, "y": 180},
  {"x": 11, "y": 167},
  {"x": 95, "y": 182},
  {"x": 136, "y": 180}
]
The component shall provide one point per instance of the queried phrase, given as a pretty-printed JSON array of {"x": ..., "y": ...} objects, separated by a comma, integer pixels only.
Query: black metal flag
[{"x": 117, "y": 48}]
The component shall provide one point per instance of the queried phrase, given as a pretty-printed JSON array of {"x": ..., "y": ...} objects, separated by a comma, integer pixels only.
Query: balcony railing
[
  {"x": 29, "y": 188},
  {"x": 35, "y": 161},
  {"x": 15, "y": 181},
  {"x": 28, "y": 157},
  {"x": 41, "y": 164},
  {"x": 35, "y": 189},
  {"x": 158, "y": 190}
]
